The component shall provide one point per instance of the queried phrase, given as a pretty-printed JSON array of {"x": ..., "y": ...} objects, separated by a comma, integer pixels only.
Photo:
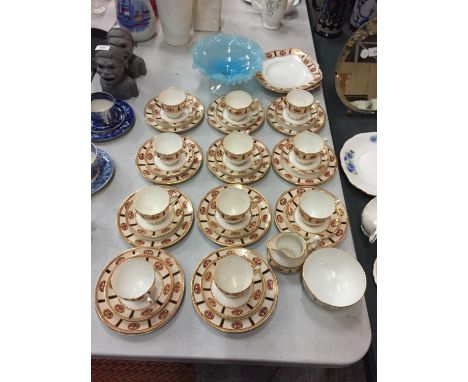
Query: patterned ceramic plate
[
  {"x": 287, "y": 170},
  {"x": 359, "y": 161},
  {"x": 146, "y": 163},
  {"x": 241, "y": 233},
  {"x": 246, "y": 315},
  {"x": 287, "y": 69},
  {"x": 105, "y": 172},
  {"x": 176, "y": 233},
  {"x": 219, "y": 119},
  {"x": 288, "y": 219},
  {"x": 119, "y": 119},
  {"x": 277, "y": 117},
  {"x": 193, "y": 116},
  {"x": 260, "y": 163},
  {"x": 123, "y": 128},
  {"x": 107, "y": 312}
]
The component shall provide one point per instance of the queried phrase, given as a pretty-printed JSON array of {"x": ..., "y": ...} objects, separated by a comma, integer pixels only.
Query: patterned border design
[
  {"x": 118, "y": 324},
  {"x": 153, "y": 117},
  {"x": 260, "y": 165},
  {"x": 276, "y": 120},
  {"x": 254, "y": 318},
  {"x": 306, "y": 59},
  {"x": 285, "y": 222},
  {"x": 144, "y": 162}
]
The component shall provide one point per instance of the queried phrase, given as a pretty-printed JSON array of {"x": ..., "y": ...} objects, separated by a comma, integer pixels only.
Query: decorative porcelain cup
[
  {"x": 292, "y": 248},
  {"x": 233, "y": 275},
  {"x": 173, "y": 102},
  {"x": 103, "y": 109},
  {"x": 95, "y": 160},
  {"x": 233, "y": 204},
  {"x": 238, "y": 147},
  {"x": 273, "y": 12},
  {"x": 299, "y": 103},
  {"x": 307, "y": 146},
  {"x": 152, "y": 203},
  {"x": 133, "y": 280},
  {"x": 315, "y": 206},
  {"x": 168, "y": 147},
  {"x": 237, "y": 104}
]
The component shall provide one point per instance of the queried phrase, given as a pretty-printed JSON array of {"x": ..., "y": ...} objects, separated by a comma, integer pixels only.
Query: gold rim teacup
[
  {"x": 232, "y": 204},
  {"x": 299, "y": 103},
  {"x": 238, "y": 103},
  {"x": 173, "y": 102},
  {"x": 152, "y": 203},
  {"x": 307, "y": 147},
  {"x": 168, "y": 147},
  {"x": 316, "y": 206},
  {"x": 238, "y": 147}
]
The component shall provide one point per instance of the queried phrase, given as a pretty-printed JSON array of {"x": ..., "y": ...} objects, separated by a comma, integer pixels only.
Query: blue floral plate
[
  {"x": 100, "y": 129},
  {"x": 124, "y": 127},
  {"x": 106, "y": 170}
]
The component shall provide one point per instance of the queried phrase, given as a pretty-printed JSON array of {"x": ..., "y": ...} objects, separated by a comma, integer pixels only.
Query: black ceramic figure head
[
  {"x": 122, "y": 38},
  {"x": 111, "y": 66}
]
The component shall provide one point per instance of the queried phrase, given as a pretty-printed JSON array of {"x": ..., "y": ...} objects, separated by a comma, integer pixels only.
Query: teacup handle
[
  {"x": 373, "y": 237},
  {"x": 149, "y": 299},
  {"x": 313, "y": 243},
  {"x": 173, "y": 200},
  {"x": 254, "y": 101}
]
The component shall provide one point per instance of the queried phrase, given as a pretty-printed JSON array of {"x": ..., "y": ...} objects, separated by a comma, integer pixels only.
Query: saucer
[
  {"x": 132, "y": 232},
  {"x": 279, "y": 264},
  {"x": 288, "y": 218},
  {"x": 359, "y": 161},
  {"x": 287, "y": 69},
  {"x": 256, "y": 168},
  {"x": 156, "y": 117},
  {"x": 286, "y": 166},
  {"x": 219, "y": 232},
  {"x": 99, "y": 128},
  {"x": 113, "y": 316},
  {"x": 218, "y": 118},
  {"x": 235, "y": 315},
  {"x": 278, "y": 118},
  {"x": 105, "y": 172},
  {"x": 157, "y": 172},
  {"x": 124, "y": 127}
]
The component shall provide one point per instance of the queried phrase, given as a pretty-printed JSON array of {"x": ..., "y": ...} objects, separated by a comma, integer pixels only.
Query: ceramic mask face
[
  {"x": 110, "y": 69},
  {"x": 123, "y": 43}
]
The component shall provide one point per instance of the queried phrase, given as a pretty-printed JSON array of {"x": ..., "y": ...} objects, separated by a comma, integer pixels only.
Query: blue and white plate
[
  {"x": 106, "y": 170},
  {"x": 124, "y": 127},
  {"x": 359, "y": 161},
  {"x": 100, "y": 129}
]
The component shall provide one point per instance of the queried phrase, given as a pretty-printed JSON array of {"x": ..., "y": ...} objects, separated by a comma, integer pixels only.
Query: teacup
[
  {"x": 152, "y": 203},
  {"x": 307, "y": 146},
  {"x": 237, "y": 104},
  {"x": 238, "y": 147},
  {"x": 233, "y": 204},
  {"x": 134, "y": 279},
  {"x": 173, "y": 102},
  {"x": 233, "y": 275},
  {"x": 94, "y": 161},
  {"x": 103, "y": 109},
  {"x": 299, "y": 102},
  {"x": 168, "y": 147},
  {"x": 316, "y": 206},
  {"x": 292, "y": 248}
]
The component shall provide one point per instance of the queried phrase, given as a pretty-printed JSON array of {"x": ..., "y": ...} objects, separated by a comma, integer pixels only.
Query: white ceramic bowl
[
  {"x": 315, "y": 206},
  {"x": 168, "y": 147},
  {"x": 238, "y": 147},
  {"x": 152, "y": 202},
  {"x": 333, "y": 278},
  {"x": 233, "y": 275},
  {"x": 133, "y": 278},
  {"x": 233, "y": 203}
]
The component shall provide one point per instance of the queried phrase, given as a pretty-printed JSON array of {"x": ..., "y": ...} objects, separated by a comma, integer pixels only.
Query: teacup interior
[
  {"x": 317, "y": 204},
  {"x": 151, "y": 200},
  {"x": 233, "y": 201},
  {"x": 132, "y": 278},
  {"x": 334, "y": 277},
  {"x": 308, "y": 142},
  {"x": 238, "y": 99},
  {"x": 238, "y": 143},
  {"x": 233, "y": 274},
  {"x": 172, "y": 96},
  {"x": 291, "y": 245},
  {"x": 300, "y": 98},
  {"x": 167, "y": 143}
]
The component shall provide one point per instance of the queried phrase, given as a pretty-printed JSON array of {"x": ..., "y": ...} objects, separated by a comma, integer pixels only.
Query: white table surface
[{"x": 298, "y": 332}]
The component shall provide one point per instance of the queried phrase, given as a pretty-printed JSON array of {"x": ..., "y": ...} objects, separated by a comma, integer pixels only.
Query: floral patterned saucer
[
  {"x": 155, "y": 117},
  {"x": 287, "y": 69},
  {"x": 173, "y": 228},
  {"x": 278, "y": 118},
  {"x": 105, "y": 172},
  {"x": 122, "y": 126},
  {"x": 288, "y": 218},
  {"x": 254, "y": 226},
  {"x": 255, "y": 169},
  {"x": 218, "y": 117},
  {"x": 157, "y": 172},
  {"x": 128, "y": 321},
  {"x": 285, "y": 165},
  {"x": 234, "y": 315}
]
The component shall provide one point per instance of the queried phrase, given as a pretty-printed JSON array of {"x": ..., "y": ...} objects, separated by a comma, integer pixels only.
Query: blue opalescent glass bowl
[{"x": 227, "y": 59}]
